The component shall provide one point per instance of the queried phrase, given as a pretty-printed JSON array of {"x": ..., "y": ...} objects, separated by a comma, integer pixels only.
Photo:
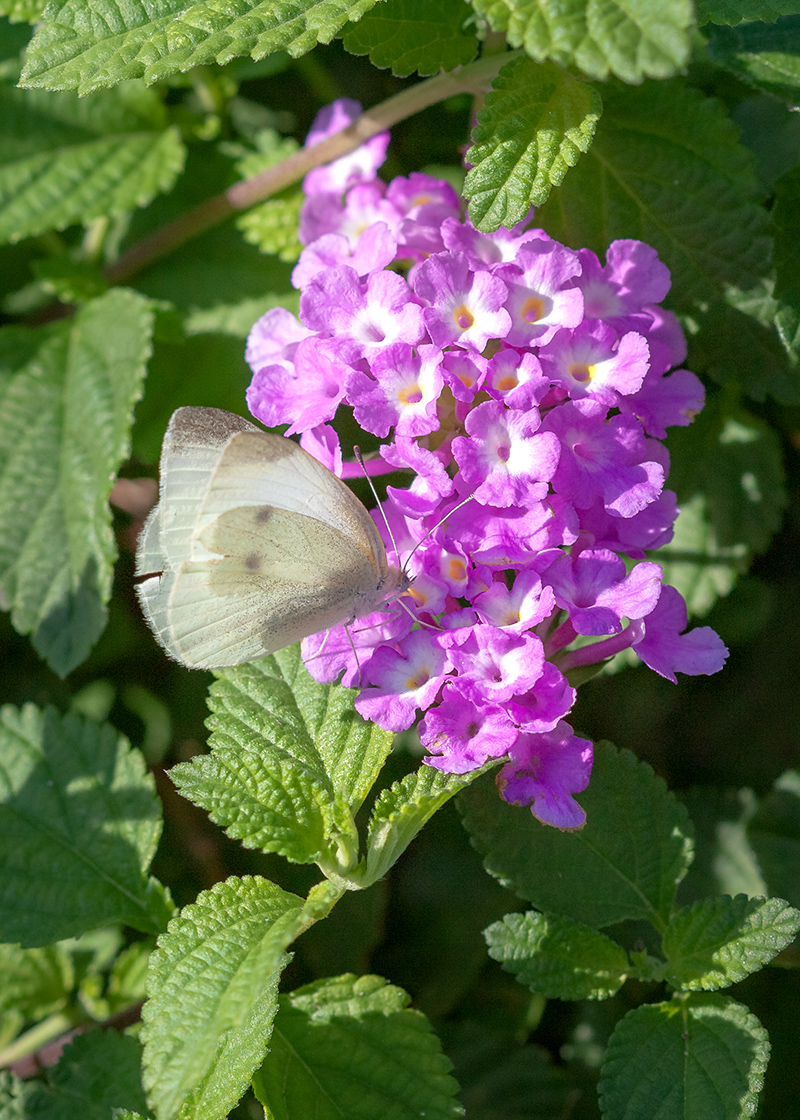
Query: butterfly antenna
[
  {"x": 360, "y": 460},
  {"x": 441, "y": 521}
]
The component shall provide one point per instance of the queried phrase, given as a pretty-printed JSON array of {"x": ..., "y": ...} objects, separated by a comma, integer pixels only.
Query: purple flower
[
  {"x": 595, "y": 588},
  {"x": 368, "y": 316},
  {"x": 494, "y": 665},
  {"x": 505, "y": 459},
  {"x": 399, "y": 681},
  {"x": 542, "y": 295},
  {"x": 463, "y": 735},
  {"x": 402, "y": 391},
  {"x": 602, "y": 458},
  {"x": 545, "y": 771},
  {"x": 359, "y": 166},
  {"x": 463, "y": 307},
  {"x": 592, "y": 361},
  {"x": 666, "y": 649}
]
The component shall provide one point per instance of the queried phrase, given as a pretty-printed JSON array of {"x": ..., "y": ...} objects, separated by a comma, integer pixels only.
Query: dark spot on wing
[
  {"x": 263, "y": 514},
  {"x": 253, "y": 562}
]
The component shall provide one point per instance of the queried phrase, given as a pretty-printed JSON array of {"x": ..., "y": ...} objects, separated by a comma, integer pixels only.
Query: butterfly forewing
[{"x": 254, "y": 544}]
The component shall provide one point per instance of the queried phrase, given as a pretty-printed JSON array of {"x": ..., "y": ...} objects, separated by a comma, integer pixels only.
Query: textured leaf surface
[
  {"x": 666, "y": 167},
  {"x": 98, "y": 1072},
  {"x": 213, "y": 995},
  {"x": 632, "y": 39},
  {"x": 534, "y": 125},
  {"x": 272, "y": 226},
  {"x": 557, "y": 958},
  {"x": 402, "y": 810},
  {"x": 719, "y": 941},
  {"x": 63, "y": 160},
  {"x": 702, "y": 1057},
  {"x": 29, "y": 11},
  {"x": 352, "y": 1047},
  {"x": 87, "y": 44},
  {"x": 36, "y": 982},
  {"x": 765, "y": 55},
  {"x": 737, "y": 11},
  {"x": 625, "y": 863},
  {"x": 278, "y": 700},
  {"x": 414, "y": 35},
  {"x": 80, "y": 825},
  {"x": 67, "y": 395}
]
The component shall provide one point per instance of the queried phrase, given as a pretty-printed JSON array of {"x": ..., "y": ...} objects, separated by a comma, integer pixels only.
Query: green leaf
[
  {"x": 272, "y": 226},
  {"x": 63, "y": 160},
  {"x": 534, "y": 125},
  {"x": 36, "y": 982},
  {"x": 277, "y": 699},
  {"x": 425, "y": 36},
  {"x": 556, "y": 957},
  {"x": 786, "y": 220},
  {"x": 67, "y": 395},
  {"x": 719, "y": 941},
  {"x": 630, "y": 40},
  {"x": 352, "y": 1047},
  {"x": 80, "y": 825},
  {"x": 29, "y": 11},
  {"x": 500, "y": 1079},
  {"x": 213, "y": 995},
  {"x": 86, "y": 44},
  {"x": 703, "y": 1056},
  {"x": 696, "y": 563},
  {"x": 734, "y": 461},
  {"x": 774, "y": 832},
  {"x": 97, "y": 1072},
  {"x": 625, "y": 863},
  {"x": 765, "y": 55},
  {"x": 666, "y": 167},
  {"x": 402, "y": 810},
  {"x": 736, "y": 11},
  {"x": 725, "y": 861}
]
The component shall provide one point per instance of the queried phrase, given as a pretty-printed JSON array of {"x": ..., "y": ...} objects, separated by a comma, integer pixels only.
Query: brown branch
[{"x": 474, "y": 78}]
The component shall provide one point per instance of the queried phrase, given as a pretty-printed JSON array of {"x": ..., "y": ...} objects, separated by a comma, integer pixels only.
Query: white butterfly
[{"x": 253, "y": 545}]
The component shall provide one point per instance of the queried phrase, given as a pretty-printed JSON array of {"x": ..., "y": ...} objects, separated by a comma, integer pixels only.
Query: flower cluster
[{"x": 527, "y": 387}]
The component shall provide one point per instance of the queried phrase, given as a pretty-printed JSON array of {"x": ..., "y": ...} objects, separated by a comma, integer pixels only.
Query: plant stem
[{"x": 473, "y": 78}]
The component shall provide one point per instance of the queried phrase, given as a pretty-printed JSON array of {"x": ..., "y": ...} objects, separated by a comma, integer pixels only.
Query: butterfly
[{"x": 253, "y": 545}]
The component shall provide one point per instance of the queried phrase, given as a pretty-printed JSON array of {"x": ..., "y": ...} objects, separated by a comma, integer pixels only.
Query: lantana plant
[{"x": 543, "y": 293}]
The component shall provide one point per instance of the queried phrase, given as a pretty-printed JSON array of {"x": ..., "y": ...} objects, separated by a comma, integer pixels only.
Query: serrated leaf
[
  {"x": 402, "y": 810},
  {"x": 278, "y": 700},
  {"x": 719, "y": 941},
  {"x": 67, "y": 394},
  {"x": 556, "y": 957},
  {"x": 352, "y": 1047},
  {"x": 774, "y": 832},
  {"x": 425, "y": 36},
  {"x": 734, "y": 461},
  {"x": 64, "y": 161},
  {"x": 534, "y": 125},
  {"x": 28, "y": 11},
  {"x": 269, "y": 800},
  {"x": 625, "y": 863},
  {"x": 87, "y": 44},
  {"x": 703, "y": 1056},
  {"x": 764, "y": 55},
  {"x": 97, "y": 1072},
  {"x": 736, "y": 11},
  {"x": 213, "y": 995},
  {"x": 80, "y": 824},
  {"x": 630, "y": 40},
  {"x": 666, "y": 167},
  {"x": 272, "y": 226}
]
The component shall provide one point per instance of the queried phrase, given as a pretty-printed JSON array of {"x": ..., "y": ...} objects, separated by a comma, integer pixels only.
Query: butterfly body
[{"x": 253, "y": 545}]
